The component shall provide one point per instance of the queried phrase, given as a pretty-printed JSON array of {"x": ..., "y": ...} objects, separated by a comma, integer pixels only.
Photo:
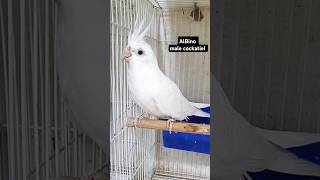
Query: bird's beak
[{"x": 126, "y": 54}]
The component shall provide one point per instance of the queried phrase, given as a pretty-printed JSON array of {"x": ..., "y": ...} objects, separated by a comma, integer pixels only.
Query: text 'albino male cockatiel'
[{"x": 153, "y": 91}]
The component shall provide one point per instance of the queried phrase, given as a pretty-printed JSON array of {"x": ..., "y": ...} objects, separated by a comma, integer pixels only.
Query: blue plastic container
[{"x": 189, "y": 142}]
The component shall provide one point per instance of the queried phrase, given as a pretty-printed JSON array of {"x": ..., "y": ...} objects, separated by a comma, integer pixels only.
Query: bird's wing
[{"x": 171, "y": 101}]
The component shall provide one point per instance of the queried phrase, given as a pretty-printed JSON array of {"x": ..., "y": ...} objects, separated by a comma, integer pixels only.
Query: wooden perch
[{"x": 176, "y": 126}]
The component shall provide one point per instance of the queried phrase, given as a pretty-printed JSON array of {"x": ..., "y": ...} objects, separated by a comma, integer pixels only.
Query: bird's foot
[
  {"x": 137, "y": 120},
  {"x": 170, "y": 124}
]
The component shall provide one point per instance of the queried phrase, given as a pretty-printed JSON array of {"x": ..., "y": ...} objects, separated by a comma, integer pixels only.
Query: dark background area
[
  {"x": 34, "y": 35},
  {"x": 266, "y": 57}
]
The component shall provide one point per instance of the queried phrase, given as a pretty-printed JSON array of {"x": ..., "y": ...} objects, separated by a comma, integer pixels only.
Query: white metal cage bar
[{"x": 132, "y": 151}]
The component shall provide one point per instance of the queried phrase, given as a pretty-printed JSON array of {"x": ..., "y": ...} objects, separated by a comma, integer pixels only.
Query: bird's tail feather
[
  {"x": 291, "y": 164},
  {"x": 201, "y": 113}
]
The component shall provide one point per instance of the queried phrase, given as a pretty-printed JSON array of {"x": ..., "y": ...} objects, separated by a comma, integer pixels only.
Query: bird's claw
[
  {"x": 170, "y": 124},
  {"x": 137, "y": 120}
]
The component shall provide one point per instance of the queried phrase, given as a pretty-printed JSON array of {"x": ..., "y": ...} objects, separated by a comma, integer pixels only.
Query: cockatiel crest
[
  {"x": 138, "y": 34},
  {"x": 138, "y": 52}
]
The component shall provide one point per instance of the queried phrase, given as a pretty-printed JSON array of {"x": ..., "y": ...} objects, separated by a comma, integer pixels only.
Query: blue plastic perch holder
[{"x": 189, "y": 142}]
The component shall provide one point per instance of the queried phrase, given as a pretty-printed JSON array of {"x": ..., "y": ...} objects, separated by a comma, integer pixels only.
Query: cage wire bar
[
  {"x": 132, "y": 150},
  {"x": 139, "y": 153},
  {"x": 38, "y": 139}
]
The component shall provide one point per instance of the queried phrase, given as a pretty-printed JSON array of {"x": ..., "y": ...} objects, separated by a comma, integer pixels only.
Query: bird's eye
[{"x": 140, "y": 52}]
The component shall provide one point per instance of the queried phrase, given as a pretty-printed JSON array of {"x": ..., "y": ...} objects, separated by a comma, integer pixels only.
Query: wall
[{"x": 190, "y": 71}]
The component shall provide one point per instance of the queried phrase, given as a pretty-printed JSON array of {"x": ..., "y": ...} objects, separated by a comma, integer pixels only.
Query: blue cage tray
[{"x": 189, "y": 142}]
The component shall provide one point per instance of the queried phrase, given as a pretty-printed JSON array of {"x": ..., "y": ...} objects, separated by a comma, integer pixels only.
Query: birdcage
[
  {"x": 138, "y": 153},
  {"x": 37, "y": 124}
]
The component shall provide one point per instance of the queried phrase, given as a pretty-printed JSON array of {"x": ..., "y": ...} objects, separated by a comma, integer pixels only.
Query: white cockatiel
[{"x": 153, "y": 91}]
